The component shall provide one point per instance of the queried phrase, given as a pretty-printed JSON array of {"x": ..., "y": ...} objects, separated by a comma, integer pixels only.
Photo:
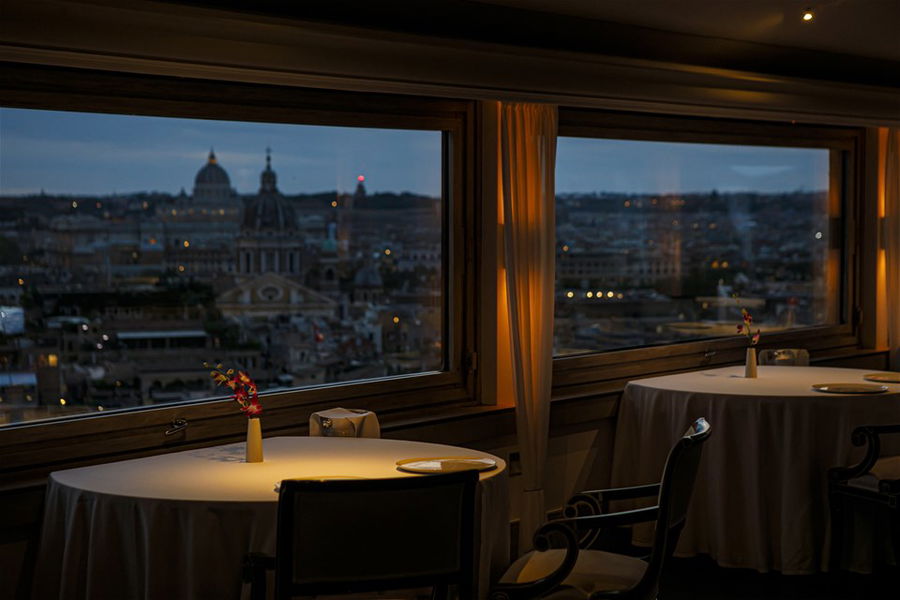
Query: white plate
[
  {"x": 446, "y": 464},
  {"x": 850, "y": 388},
  {"x": 883, "y": 377}
]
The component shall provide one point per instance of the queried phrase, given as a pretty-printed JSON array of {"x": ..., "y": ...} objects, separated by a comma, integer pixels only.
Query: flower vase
[
  {"x": 254, "y": 441},
  {"x": 750, "y": 366}
]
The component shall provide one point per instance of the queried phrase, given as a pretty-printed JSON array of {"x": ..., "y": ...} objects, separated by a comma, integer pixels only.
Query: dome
[
  {"x": 212, "y": 186},
  {"x": 269, "y": 209},
  {"x": 212, "y": 174},
  {"x": 368, "y": 277}
]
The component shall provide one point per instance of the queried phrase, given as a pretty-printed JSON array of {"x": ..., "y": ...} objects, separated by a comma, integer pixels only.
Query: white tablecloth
[
  {"x": 176, "y": 526},
  {"x": 760, "y": 499}
]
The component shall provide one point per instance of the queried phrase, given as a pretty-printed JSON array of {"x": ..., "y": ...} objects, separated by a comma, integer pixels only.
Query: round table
[
  {"x": 760, "y": 498},
  {"x": 178, "y": 525}
]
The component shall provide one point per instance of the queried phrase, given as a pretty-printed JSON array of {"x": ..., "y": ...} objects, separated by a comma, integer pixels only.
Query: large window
[
  {"x": 136, "y": 248},
  {"x": 666, "y": 237}
]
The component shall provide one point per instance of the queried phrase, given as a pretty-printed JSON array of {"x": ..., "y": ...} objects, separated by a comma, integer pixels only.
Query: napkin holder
[{"x": 344, "y": 422}]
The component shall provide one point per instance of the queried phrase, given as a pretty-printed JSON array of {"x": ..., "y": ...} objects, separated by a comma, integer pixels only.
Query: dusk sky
[{"x": 81, "y": 153}]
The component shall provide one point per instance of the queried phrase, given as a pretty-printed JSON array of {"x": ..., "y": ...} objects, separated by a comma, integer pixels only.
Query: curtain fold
[
  {"x": 528, "y": 160},
  {"x": 891, "y": 233}
]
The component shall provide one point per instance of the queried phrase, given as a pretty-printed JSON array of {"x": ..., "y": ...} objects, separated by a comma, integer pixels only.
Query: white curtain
[
  {"x": 892, "y": 242},
  {"x": 528, "y": 159}
]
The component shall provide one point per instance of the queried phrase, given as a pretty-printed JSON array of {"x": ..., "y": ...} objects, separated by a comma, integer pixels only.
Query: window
[
  {"x": 294, "y": 237},
  {"x": 667, "y": 228}
]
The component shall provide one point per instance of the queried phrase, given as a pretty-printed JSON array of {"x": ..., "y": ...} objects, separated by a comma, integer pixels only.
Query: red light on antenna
[{"x": 361, "y": 178}]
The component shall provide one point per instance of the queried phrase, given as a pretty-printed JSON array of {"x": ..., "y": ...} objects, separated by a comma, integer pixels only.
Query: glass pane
[
  {"x": 134, "y": 249},
  {"x": 663, "y": 242}
]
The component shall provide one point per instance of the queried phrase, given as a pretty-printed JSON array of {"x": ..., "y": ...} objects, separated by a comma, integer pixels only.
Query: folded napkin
[{"x": 344, "y": 422}]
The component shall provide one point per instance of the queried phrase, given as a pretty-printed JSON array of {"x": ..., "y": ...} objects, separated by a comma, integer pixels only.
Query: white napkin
[{"x": 344, "y": 422}]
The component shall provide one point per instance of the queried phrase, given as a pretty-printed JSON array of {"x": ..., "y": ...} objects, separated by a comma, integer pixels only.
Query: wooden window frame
[
  {"x": 606, "y": 372},
  {"x": 33, "y": 449}
]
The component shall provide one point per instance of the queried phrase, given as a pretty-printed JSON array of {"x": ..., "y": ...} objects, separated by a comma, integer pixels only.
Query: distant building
[
  {"x": 269, "y": 240},
  {"x": 272, "y": 295},
  {"x": 199, "y": 230}
]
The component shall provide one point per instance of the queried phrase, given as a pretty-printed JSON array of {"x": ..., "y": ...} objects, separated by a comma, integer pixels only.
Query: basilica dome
[
  {"x": 212, "y": 185},
  {"x": 211, "y": 173}
]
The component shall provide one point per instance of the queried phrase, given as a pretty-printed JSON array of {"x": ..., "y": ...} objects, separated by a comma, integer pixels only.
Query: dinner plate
[
  {"x": 883, "y": 377},
  {"x": 446, "y": 464},
  {"x": 850, "y": 388}
]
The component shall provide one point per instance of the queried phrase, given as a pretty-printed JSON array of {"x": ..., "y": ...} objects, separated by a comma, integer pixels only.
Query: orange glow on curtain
[
  {"x": 889, "y": 225},
  {"x": 527, "y": 135},
  {"x": 881, "y": 302},
  {"x": 504, "y": 357}
]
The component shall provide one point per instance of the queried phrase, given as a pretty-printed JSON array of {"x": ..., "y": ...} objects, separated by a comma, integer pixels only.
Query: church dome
[
  {"x": 211, "y": 174},
  {"x": 212, "y": 187},
  {"x": 269, "y": 210},
  {"x": 368, "y": 277}
]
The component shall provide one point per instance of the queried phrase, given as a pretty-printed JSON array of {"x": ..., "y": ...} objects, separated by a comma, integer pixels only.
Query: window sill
[{"x": 456, "y": 423}]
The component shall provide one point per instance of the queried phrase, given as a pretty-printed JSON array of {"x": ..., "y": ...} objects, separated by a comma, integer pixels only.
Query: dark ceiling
[{"x": 854, "y": 42}]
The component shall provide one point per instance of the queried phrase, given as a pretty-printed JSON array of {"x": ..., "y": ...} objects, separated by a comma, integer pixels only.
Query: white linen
[
  {"x": 177, "y": 525},
  {"x": 760, "y": 499},
  {"x": 528, "y": 161},
  {"x": 344, "y": 422}
]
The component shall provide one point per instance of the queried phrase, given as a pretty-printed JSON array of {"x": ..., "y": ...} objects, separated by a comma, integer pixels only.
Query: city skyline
[
  {"x": 97, "y": 154},
  {"x": 62, "y": 153}
]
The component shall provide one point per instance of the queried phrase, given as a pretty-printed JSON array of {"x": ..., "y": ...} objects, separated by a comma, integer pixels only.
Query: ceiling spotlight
[{"x": 808, "y": 15}]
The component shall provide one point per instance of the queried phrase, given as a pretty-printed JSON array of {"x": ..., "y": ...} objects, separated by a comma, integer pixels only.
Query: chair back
[
  {"x": 789, "y": 357},
  {"x": 347, "y": 536},
  {"x": 675, "y": 492}
]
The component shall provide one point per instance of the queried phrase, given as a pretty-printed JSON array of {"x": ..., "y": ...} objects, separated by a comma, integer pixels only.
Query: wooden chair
[
  {"x": 577, "y": 572},
  {"x": 366, "y": 535},
  {"x": 792, "y": 357},
  {"x": 871, "y": 487}
]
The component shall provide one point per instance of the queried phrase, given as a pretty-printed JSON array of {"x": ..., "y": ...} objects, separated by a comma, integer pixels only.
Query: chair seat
[
  {"x": 593, "y": 572},
  {"x": 887, "y": 468}
]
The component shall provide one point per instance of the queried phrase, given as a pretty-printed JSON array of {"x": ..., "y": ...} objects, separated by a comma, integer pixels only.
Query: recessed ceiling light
[{"x": 808, "y": 15}]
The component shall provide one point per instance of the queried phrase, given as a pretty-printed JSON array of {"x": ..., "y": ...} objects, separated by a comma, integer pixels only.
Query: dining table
[
  {"x": 760, "y": 499},
  {"x": 177, "y": 525}
]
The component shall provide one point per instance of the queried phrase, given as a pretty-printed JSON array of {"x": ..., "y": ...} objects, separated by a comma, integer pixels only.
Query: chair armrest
[
  {"x": 624, "y": 493},
  {"x": 597, "y": 501},
  {"x": 539, "y": 587},
  {"x": 866, "y": 434},
  {"x": 606, "y": 520}
]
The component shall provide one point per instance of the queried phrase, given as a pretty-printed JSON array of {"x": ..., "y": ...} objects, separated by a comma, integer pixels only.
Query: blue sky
[
  {"x": 659, "y": 167},
  {"x": 67, "y": 152}
]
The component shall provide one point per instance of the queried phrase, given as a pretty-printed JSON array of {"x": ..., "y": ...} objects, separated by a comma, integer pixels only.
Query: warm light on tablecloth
[
  {"x": 760, "y": 499},
  {"x": 177, "y": 525}
]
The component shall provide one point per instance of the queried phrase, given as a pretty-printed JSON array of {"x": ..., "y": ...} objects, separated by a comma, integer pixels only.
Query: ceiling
[
  {"x": 852, "y": 41},
  {"x": 857, "y": 27}
]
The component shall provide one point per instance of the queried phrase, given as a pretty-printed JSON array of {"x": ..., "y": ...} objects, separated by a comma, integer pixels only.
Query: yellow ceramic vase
[{"x": 254, "y": 441}]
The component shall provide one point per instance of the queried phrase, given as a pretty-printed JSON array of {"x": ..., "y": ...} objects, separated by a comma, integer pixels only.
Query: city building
[{"x": 408, "y": 304}]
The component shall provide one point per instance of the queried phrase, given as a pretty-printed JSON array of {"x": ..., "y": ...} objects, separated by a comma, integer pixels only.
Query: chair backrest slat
[{"x": 676, "y": 489}]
